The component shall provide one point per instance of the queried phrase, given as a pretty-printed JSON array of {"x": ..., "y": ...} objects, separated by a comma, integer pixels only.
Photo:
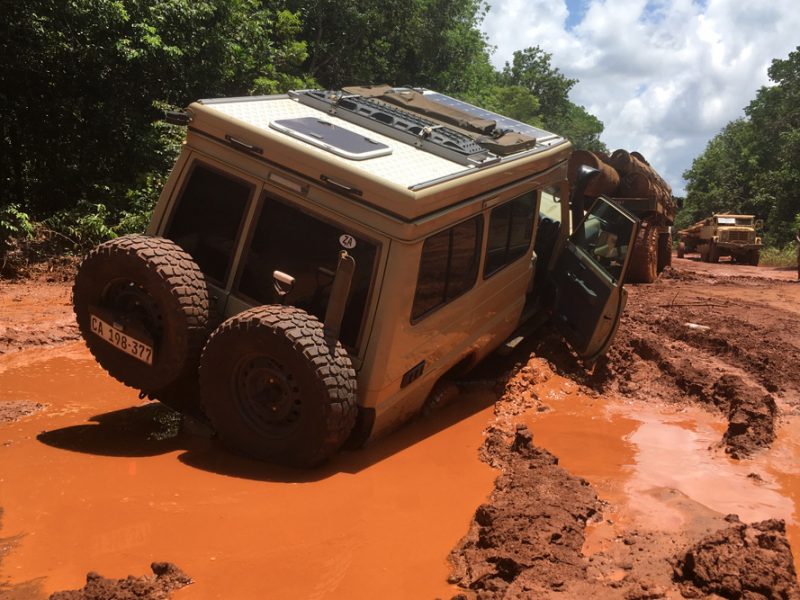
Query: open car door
[{"x": 588, "y": 276}]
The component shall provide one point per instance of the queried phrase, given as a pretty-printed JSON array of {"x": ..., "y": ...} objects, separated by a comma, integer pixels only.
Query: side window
[
  {"x": 448, "y": 267},
  {"x": 510, "y": 232},
  {"x": 301, "y": 245},
  {"x": 207, "y": 219},
  {"x": 605, "y": 235}
]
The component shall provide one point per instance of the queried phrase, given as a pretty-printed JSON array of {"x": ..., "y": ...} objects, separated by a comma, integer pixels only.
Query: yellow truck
[{"x": 723, "y": 234}]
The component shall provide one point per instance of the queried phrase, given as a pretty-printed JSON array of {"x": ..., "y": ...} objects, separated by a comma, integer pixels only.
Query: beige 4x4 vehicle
[{"x": 318, "y": 261}]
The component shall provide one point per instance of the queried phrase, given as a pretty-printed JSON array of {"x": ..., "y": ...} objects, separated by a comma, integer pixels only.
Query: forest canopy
[{"x": 84, "y": 85}]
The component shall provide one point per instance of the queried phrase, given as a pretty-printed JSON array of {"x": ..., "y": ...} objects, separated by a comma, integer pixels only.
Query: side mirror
[
  {"x": 759, "y": 224},
  {"x": 585, "y": 175},
  {"x": 282, "y": 283}
]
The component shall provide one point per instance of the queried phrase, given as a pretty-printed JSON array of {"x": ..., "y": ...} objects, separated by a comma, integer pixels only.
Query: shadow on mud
[{"x": 153, "y": 430}]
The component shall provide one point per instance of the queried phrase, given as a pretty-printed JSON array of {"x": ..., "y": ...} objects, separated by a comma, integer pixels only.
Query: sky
[{"x": 663, "y": 76}]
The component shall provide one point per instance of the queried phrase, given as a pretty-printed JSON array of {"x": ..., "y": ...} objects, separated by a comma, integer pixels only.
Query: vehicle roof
[{"x": 410, "y": 182}]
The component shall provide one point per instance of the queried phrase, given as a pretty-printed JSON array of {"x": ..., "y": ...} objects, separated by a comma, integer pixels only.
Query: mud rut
[{"x": 730, "y": 344}]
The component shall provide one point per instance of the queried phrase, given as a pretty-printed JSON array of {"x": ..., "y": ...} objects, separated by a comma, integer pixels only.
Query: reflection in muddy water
[
  {"x": 99, "y": 481},
  {"x": 662, "y": 469}
]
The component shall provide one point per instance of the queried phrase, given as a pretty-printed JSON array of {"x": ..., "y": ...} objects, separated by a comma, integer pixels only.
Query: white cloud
[{"x": 663, "y": 76}]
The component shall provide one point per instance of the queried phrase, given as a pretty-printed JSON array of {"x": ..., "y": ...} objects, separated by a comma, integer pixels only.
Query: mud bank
[
  {"x": 731, "y": 344},
  {"x": 741, "y": 561},
  {"x": 527, "y": 539},
  {"x": 166, "y": 578},
  {"x": 36, "y": 313},
  {"x": 547, "y": 533}
]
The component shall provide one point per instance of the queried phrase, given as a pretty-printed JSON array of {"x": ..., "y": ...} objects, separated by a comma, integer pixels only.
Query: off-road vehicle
[
  {"x": 723, "y": 235},
  {"x": 318, "y": 261}
]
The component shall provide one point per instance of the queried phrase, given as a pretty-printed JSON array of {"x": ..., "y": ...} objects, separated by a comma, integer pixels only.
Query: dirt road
[{"x": 617, "y": 484}]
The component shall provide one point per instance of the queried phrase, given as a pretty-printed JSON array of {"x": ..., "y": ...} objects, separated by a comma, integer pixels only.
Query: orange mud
[
  {"x": 99, "y": 481},
  {"x": 662, "y": 469}
]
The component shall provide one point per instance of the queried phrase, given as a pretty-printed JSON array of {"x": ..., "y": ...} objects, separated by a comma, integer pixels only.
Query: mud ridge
[
  {"x": 166, "y": 578},
  {"x": 753, "y": 562},
  {"x": 680, "y": 341},
  {"x": 527, "y": 539}
]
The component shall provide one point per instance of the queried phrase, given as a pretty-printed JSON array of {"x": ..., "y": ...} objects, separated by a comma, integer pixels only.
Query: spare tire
[
  {"x": 142, "y": 306},
  {"x": 277, "y": 388}
]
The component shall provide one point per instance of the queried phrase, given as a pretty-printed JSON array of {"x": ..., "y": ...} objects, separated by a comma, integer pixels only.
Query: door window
[
  {"x": 604, "y": 235},
  {"x": 307, "y": 248},
  {"x": 448, "y": 267},
  {"x": 208, "y": 217}
]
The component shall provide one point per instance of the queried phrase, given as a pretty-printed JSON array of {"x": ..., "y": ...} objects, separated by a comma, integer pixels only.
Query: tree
[
  {"x": 83, "y": 84},
  {"x": 753, "y": 164},
  {"x": 531, "y": 69},
  {"x": 430, "y": 43}
]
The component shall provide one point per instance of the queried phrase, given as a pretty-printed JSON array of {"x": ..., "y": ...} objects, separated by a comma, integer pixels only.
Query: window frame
[
  {"x": 478, "y": 257},
  {"x": 175, "y": 204},
  {"x": 279, "y": 194},
  {"x": 534, "y": 221}
]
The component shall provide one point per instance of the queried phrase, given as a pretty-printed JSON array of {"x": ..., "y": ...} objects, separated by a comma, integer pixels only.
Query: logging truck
[
  {"x": 723, "y": 235},
  {"x": 628, "y": 179}
]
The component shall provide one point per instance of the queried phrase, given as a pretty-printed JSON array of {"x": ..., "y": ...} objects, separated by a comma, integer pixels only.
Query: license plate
[{"x": 121, "y": 341}]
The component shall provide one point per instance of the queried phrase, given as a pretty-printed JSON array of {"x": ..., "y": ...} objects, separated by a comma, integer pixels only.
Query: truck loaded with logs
[{"x": 628, "y": 178}]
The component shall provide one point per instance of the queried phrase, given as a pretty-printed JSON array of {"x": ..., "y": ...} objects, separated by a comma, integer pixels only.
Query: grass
[{"x": 779, "y": 257}]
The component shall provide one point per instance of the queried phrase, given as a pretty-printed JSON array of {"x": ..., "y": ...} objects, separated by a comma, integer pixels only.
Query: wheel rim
[
  {"x": 267, "y": 394},
  {"x": 133, "y": 305}
]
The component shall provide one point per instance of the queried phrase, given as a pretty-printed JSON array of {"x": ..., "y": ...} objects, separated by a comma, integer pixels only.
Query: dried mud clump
[
  {"x": 751, "y": 562},
  {"x": 751, "y": 415},
  {"x": 527, "y": 539},
  {"x": 167, "y": 578}
]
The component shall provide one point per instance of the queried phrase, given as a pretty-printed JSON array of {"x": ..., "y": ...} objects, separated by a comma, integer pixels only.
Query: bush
[
  {"x": 13, "y": 224},
  {"x": 779, "y": 257}
]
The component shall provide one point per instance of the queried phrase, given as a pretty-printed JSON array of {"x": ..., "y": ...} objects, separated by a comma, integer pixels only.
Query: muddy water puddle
[
  {"x": 98, "y": 480},
  {"x": 661, "y": 468}
]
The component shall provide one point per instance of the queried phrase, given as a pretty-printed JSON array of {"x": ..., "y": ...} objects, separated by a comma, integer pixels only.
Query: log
[
  {"x": 633, "y": 171},
  {"x": 606, "y": 182}
]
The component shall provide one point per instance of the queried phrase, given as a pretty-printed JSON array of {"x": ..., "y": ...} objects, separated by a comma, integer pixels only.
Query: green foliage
[
  {"x": 779, "y": 257},
  {"x": 14, "y": 223},
  {"x": 753, "y": 165},
  {"x": 430, "y": 43},
  {"x": 84, "y": 81},
  {"x": 84, "y": 85},
  {"x": 532, "y": 90}
]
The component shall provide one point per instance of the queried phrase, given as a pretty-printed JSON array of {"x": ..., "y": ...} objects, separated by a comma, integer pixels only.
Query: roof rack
[{"x": 400, "y": 125}]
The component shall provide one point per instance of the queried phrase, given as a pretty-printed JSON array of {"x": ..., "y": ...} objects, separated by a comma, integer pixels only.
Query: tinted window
[
  {"x": 207, "y": 219},
  {"x": 448, "y": 266},
  {"x": 510, "y": 232},
  {"x": 289, "y": 240}
]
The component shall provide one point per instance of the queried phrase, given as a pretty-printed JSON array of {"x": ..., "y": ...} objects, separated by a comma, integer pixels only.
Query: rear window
[
  {"x": 299, "y": 244},
  {"x": 208, "y": 217},
  {"x": 448, "y": 267},
  {"x": 510, "y": 232}
]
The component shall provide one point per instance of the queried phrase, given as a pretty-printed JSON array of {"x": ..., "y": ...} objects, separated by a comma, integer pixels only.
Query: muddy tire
[
  {"x": 664, "y": 251},
  {"x": 681, "y": 249},
  {"x": 276, "y": 388},
  {"x": 157, "y": 293},
  {"x": 713, "y": 253},
  {"x": 753, "y": 257},
  {"x": 644, "y": 258}
]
